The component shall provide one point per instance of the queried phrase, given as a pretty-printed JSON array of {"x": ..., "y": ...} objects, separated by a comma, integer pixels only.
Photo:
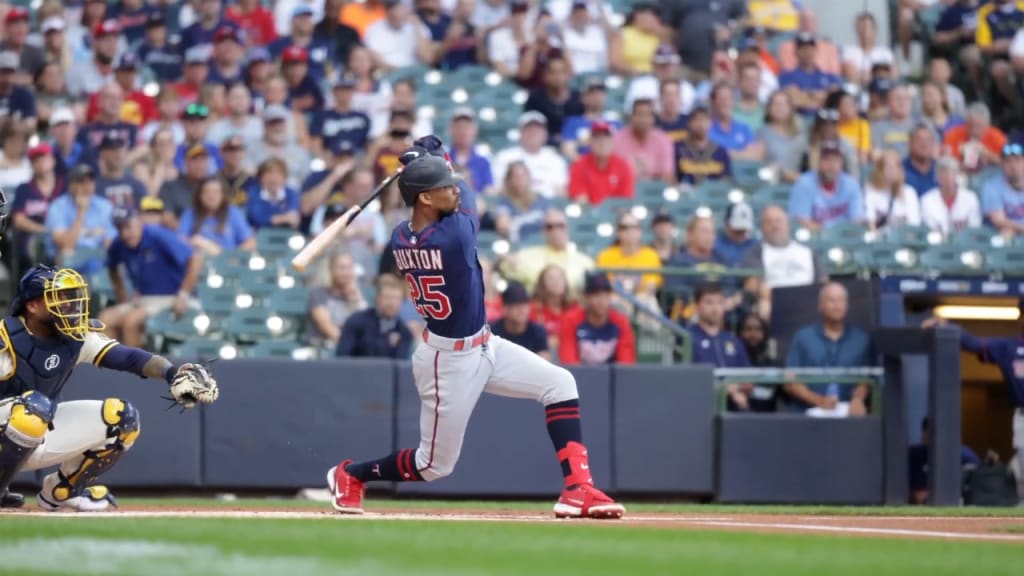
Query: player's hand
[
  {"x": 857, "y": 407},
  {"x": 933, "y": 322},
  {"x": 739, "y": 399},
  {"x": 180, "y": 304},
  {"x": 193, "y": 384},
  {"x": 828, "y": 402}
]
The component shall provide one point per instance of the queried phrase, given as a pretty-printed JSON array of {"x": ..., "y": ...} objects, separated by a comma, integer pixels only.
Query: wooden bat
[{"x": 318, "y": 245}]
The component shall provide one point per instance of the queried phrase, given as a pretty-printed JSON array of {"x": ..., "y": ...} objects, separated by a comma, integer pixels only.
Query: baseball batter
[{"x": 460, "y": 358}]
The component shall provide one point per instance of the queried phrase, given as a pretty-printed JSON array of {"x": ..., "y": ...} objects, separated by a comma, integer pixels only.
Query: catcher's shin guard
[
  {"x": 31, "y": 417},
  {"x": 70, "y": 486}
]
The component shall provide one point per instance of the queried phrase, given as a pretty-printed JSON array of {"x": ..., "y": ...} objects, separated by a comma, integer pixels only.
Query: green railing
[{"x": 874, "y": 376}]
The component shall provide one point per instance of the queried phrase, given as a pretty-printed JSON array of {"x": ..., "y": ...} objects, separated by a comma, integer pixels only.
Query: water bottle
[{"x": 833, "y": 391}]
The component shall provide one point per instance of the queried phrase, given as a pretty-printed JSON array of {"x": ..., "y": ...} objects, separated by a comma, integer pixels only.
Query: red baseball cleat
[
  {"x": 585, "y": 501},
  {"x": 346, "y": 491}
]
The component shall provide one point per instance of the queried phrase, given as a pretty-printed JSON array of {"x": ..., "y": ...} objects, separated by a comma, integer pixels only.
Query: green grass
[{"x": 155, "y": 547}]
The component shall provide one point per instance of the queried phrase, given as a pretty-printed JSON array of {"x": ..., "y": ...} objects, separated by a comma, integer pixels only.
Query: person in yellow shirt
[
  {"x": 526, "y": 265},
  {"x": 856, "y": 131},
  {"x": 628, "y": 251},
  {"x": 776, "y": 15},
  {"x": 640, "y": 38}
]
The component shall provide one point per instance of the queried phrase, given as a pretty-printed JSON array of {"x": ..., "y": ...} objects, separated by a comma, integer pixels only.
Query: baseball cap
[
  {"x": 52, "y": 24},
  {"x": 662, "y": 218},
  {"x": 596, "y": 283},
  {"x": 123, "y": 215},
  {"x": 880, "y": 85},
  {"x": 515, "y": 293},
  {"x": 519, "y": 5},
  {"x": 1013, "y": 149},
  {"x": 340, "y": 147},
  {"x": 806, "y": 39},
  {"x": 196, "y": 111},
  {"x": 665, "y": 54},
  {"x": 227, "y": 33},
  {"x": 830, "y": 146},
  {"x": 293, "y": 54},
  {"x": 106, "y": 27},
  {"x": 196, "y": 151},
  {"x": 532, "y": 117},
  {"x": 81, "y": 172},
  {"x": 41, "y": 149},
  {"x": 233, "y": 143},
  {"x": 61, "y": 116},
  {"x": 258, "y": 54},
  {"x": 432, "y": 145},
  {"x": 594, "y": 83},
  {"x": 749, "y": 43},
  {"x": 126, "y": 61},
  {"x": 151, "y": 204},
  {"x": 463, "y": 113},
  {"x": 16, "y": 14},
  {"x": 600, "y": 127},
  {"x": 155, "y": 20},
  {"x": 112, "y": 141},
  {"x": 578, "y": 4},
  {"x": 739, "y": 216},
  {"x": 8, "y": 61},
  {"x": 424, "y": 174},
  {"x": 302, "y": 10},
  {"x": 198, "y": 55},
  {"x": 346, "y": 81},
  {"x": 275, "y": 113}
]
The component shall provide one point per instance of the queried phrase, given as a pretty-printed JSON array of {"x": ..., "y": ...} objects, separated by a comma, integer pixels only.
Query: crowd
[{"x": 142, "y": 137}]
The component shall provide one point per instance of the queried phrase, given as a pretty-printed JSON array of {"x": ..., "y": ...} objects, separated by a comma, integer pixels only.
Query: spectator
[
  {"x": 378, "y": 332},
  {"x": 919, "y": 165},
  {"x": 519, "y": 211},
  {"x": 330, "y": 306},
  {"x": 893, "y": 132},
  {"x": 113, "y": 183},
  {"x": 168, "y": 117},
  {"x": 665, "y": 69},
  {"x": 888, "y": 200},
  {"x": 341, "y": 123},
  {"x": 587, "y": 40},
  {"x": 827, "y": 55},
  {"x": 274, "y": 202},
  {"x": 404, "y": 98},
  {"x": 398, "y": 40},
  {"x": 304, "y": 94},
  {"x": 137, "y": 108},
  {"x": 852, "y": 129},
  {"x": 1002, "y": 199},
  {"x": 463, "y": 151},
  {"x": 700, "y": 27},
  {"x": 627, "y": 251},
  {"x": 596, "y": 333},
  {"x": 195, "y": 75},
  {"x": 108, "y": 121},
  {"x": 212, "y": 224},
  {"x": 163, "y": 270},
  {"x": 955, "y": 37},
  {"x": 641, "y": 35},
  {"x": 79, "y": 220},
  {"x": 784, "y": 261},
  {"x": 670, "y": 118},
  {"x": 939, "y": 74},
  {"x": 228, "y": 53},
  {"x": 600, "y": 173},
  {"x": 860, "y": 57},
  {"x": 276, "y": 97},
  {"x": 713, "y": 344},
  {"x": 646, "y": 147},
  {"x": 29, "y": 57},
  {"x": 161, "y": 58},
  {"x": 878, "y": 99},
  {"x": 361, "y": 15},
  {"x": 506, "y": 42},
  {"x": 275, "y": 144},
  {"x": 948, "y": 208},
  {"x": 748, "y": 109},
  {"x": 88, "y": 77},
  {"x": 826, "y": 197},
  {"x": 371, "y": 96},
  {"x": 698, "y": 254},
  {"x": 576, "y": 130},
  {"x": 552, "y": 302},
  {"x": 735, "y": 137},
  {"x": 196, "y": 124},
  {"x": 236, "y": 178},
  {"x": 31, "y": 203},
  {"x": 807, "y": 84},
  {"x": 547, "y": 44},
  {"x": 55, "y": 47},
  {"x": 998, "y": 22},
  {"x": 556, "y": 100},
  {"x": 489, "y": 15},
  {"x": 976, "y": 143},
  {"x": 326, "y": 186},
  {"x": 516, "y": 326},
  {"x": 698, "y": 158},
  {"x": 66, "y": 149},
  {"x": 736, "y": 238},
  {"x": 177, "y": 194},
  {"x": 935, "y": 109},
  {"x": 332, "y": 32},
  {"x": 384, "y": 152},
  {"x": 257, "y": 74},
  {"x": 367, "y": 236},
  {"x": 49, "y": 94},
  {"x": 666, "y": 236},
  {"x": 239, "y": 121},
  {"x": 257, "y": 21},
  {"x": 1017, "y": 54},
  {"x": 15, "y": 168},
  {"x": 831, "y": 343},
  {"x": 826, "y": 129},
  {"x": 783, "y": 137},
  {"x": 209, "y": 19},
  {"x": 320, "y": 51},
  {"x": 548, "y": 170},
  {"x": 753, "y": 333},
  {"x": 16, "y": 102},
  {"x": 527, "y": 264},
  {"x": 437, "y": 22}
]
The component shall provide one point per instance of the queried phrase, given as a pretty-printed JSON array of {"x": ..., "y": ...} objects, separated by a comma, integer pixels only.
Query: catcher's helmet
[{"x": 65, "y": 294}]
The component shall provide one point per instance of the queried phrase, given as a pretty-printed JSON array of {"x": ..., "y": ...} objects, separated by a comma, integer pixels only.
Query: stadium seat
[
  {"x": 278, "y": 242},
  {"x": 844, "y": 235},
  {"x": 940, "y": 260},
  {"x": 777, "y": 194},
  {"x": 886, "y": 258},
  {"x": 218, "y": 302},
  {"x": 205, "y": 349},
  {"x": 252, "y": 325},
  {"x": 1008, "y": 261},
  {"x": 916, "y": 237},
  {"x": 973, "y": 238}
]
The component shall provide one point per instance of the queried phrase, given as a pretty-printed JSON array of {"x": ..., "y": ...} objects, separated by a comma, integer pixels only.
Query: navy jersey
[
  {"x": 440, "y": 264},
  {"x": 90, "y": 136},
  {"x": 165, "y": 62},
  {"x": 31, "y": 363},
  {"x": 19, "y": 103},
  {"x": 1006, "y": 353},
  {"x": 333, "y": 127}
]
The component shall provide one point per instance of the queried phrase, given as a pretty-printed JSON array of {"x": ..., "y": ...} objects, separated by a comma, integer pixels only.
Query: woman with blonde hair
[
  {"x": 935, "y": 109},
  {"x": 551, "y": 301},
  {"x": 888, "y": 200},
  {"x": 783, "y": 135}
]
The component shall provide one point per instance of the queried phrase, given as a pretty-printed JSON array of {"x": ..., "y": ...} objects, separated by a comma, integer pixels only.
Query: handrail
[
  {"x": 680, "y": 271},
  {"x": 816, "y": 375},
  {"x": 681, "y": 342}
]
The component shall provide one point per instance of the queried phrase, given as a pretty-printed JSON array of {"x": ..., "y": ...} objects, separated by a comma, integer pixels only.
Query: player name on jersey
[{"x": 418, "y": 259}]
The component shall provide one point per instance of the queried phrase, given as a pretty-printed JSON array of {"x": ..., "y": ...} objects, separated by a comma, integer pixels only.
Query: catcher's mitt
[{"x": 193, "y": 384}]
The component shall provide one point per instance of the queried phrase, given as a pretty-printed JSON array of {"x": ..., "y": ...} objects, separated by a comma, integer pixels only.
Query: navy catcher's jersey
[
  {"x": 440, "y": 265},
  {"x": 31, "y": 363}
]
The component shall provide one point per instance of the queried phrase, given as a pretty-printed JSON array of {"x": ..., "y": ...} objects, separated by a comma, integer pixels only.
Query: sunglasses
[
  {"x": 197, "y": 110},
  {"x": 554, "y": 225},
  {"x": 1013, "y": 150},
  {"x": 628, "y": 226}
]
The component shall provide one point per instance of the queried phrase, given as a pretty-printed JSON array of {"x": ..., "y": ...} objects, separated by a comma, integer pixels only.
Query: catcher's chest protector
[{"x": 29, "y": 363}]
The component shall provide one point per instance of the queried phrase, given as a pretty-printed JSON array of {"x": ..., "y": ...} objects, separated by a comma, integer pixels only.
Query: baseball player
[
  {"x": 459, "y": 359},
  {"x": 46, "y": 335}
]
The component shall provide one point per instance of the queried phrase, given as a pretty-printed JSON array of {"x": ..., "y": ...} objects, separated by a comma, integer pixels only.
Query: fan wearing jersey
[{"x": 436, "y": 252}]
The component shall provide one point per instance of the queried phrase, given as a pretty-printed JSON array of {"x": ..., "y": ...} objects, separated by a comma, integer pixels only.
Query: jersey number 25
[{"x": 430, "y": 302}]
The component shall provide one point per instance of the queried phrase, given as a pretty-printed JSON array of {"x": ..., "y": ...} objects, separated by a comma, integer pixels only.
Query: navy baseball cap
[
  {"x": 424, "y": 174},
  {"x": 806, "y": 39},
  {"x": 124, "y": 214},
  {"x": 81, "y": 172},
  {"x": 112, "y": 141},
  {"x": 515, "y": 293},
  {"x": 596, "y": 283},
  {"x": 127, "y": 61},
  {"x": 155, "y": 20}
]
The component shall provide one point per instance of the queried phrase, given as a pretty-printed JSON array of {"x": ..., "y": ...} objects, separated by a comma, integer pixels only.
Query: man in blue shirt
[
  {"x": 162, "y": 58},
  {"x": 1002, "y": 199},
  {"x": 736, "y": 137},
  {"x": 737, "y": 236},
  {"x": 341, "y": 123},
  {"x": 476, "y": 169},
  {"x": 271, "y": 202},
  {"x": 829, "y": 196},
  {"x": 163, "y": 270},
  {"x": 831, "y": 343},
  {"x": 209, "y": 18},
  {"x": 919, "y": 165},
  {"x": 321, "y": 52},
  {"x": 79, "y": 222},
  {"x": 114, "y": 183},
  {"x": 15, "y": 101},
  {"x": 378, "y": 332},
  {"x": 576, "y": 129},
  {"x": 515, "y": 325},
  {"x": 807, "y": 85}
]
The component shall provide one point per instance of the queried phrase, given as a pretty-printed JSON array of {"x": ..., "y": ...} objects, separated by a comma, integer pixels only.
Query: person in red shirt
[
  {"x": 138, "y": 108},
  {"x": 597, "y": 333},
  {"x": 197, "y": 70},
  {"x": 551, "y": 302},
  {"x": 257, "y": 21},
  {"x": 600, "y": 173}
]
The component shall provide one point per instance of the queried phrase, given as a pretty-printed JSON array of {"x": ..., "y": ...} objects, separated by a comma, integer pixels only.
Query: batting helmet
[
  {"x": 65, "y": 294},
  {"x": 424, "y": 174}
]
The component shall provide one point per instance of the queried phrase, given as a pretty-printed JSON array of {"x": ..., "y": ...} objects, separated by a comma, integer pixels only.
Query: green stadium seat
[
  {"x": 953, "y": 260},
  {"x": 973, "y": 238},
  {"x": 886, "y": 258},
  {"x": 203, "y": 349},
  {"x": 171, "y": 328},
  {"x": 1008, "y": 261},
  {"x": 917, "y": 237},
  {"x": 777, "y": 194},
  {"x": 844, "y": 235},
  {"x": 218, "y": 302},
  {"x": 278, "y": 242},
  {"x": 252, "y": 325},
  {"x": 290, "y": 302},
  {"x": 281, "y": 349}
]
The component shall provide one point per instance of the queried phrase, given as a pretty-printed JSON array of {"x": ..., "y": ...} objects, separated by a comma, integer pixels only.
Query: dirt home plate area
[{"x": 989, "y": 529}]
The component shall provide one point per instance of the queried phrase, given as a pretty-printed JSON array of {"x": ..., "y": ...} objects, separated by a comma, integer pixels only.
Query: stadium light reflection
[{"x": 1006, "y": 313}]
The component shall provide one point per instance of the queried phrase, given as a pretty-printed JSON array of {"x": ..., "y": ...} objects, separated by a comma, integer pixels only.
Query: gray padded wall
[
  {"x": 793, "y": 459},
  {"x": 506, "y": 450},
  {"x": 663, "y": 429},
  {"x": 283, "y": 425}
]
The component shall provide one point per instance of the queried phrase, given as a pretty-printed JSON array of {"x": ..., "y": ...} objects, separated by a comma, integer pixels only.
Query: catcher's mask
[{"x": 64, "y": 293}]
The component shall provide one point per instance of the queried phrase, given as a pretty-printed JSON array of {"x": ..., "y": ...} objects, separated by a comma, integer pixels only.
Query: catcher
[{"x": 47, "y": 334}]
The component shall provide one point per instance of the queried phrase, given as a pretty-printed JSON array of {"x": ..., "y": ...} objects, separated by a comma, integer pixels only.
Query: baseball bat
[{"x": 318, "y": 245}]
